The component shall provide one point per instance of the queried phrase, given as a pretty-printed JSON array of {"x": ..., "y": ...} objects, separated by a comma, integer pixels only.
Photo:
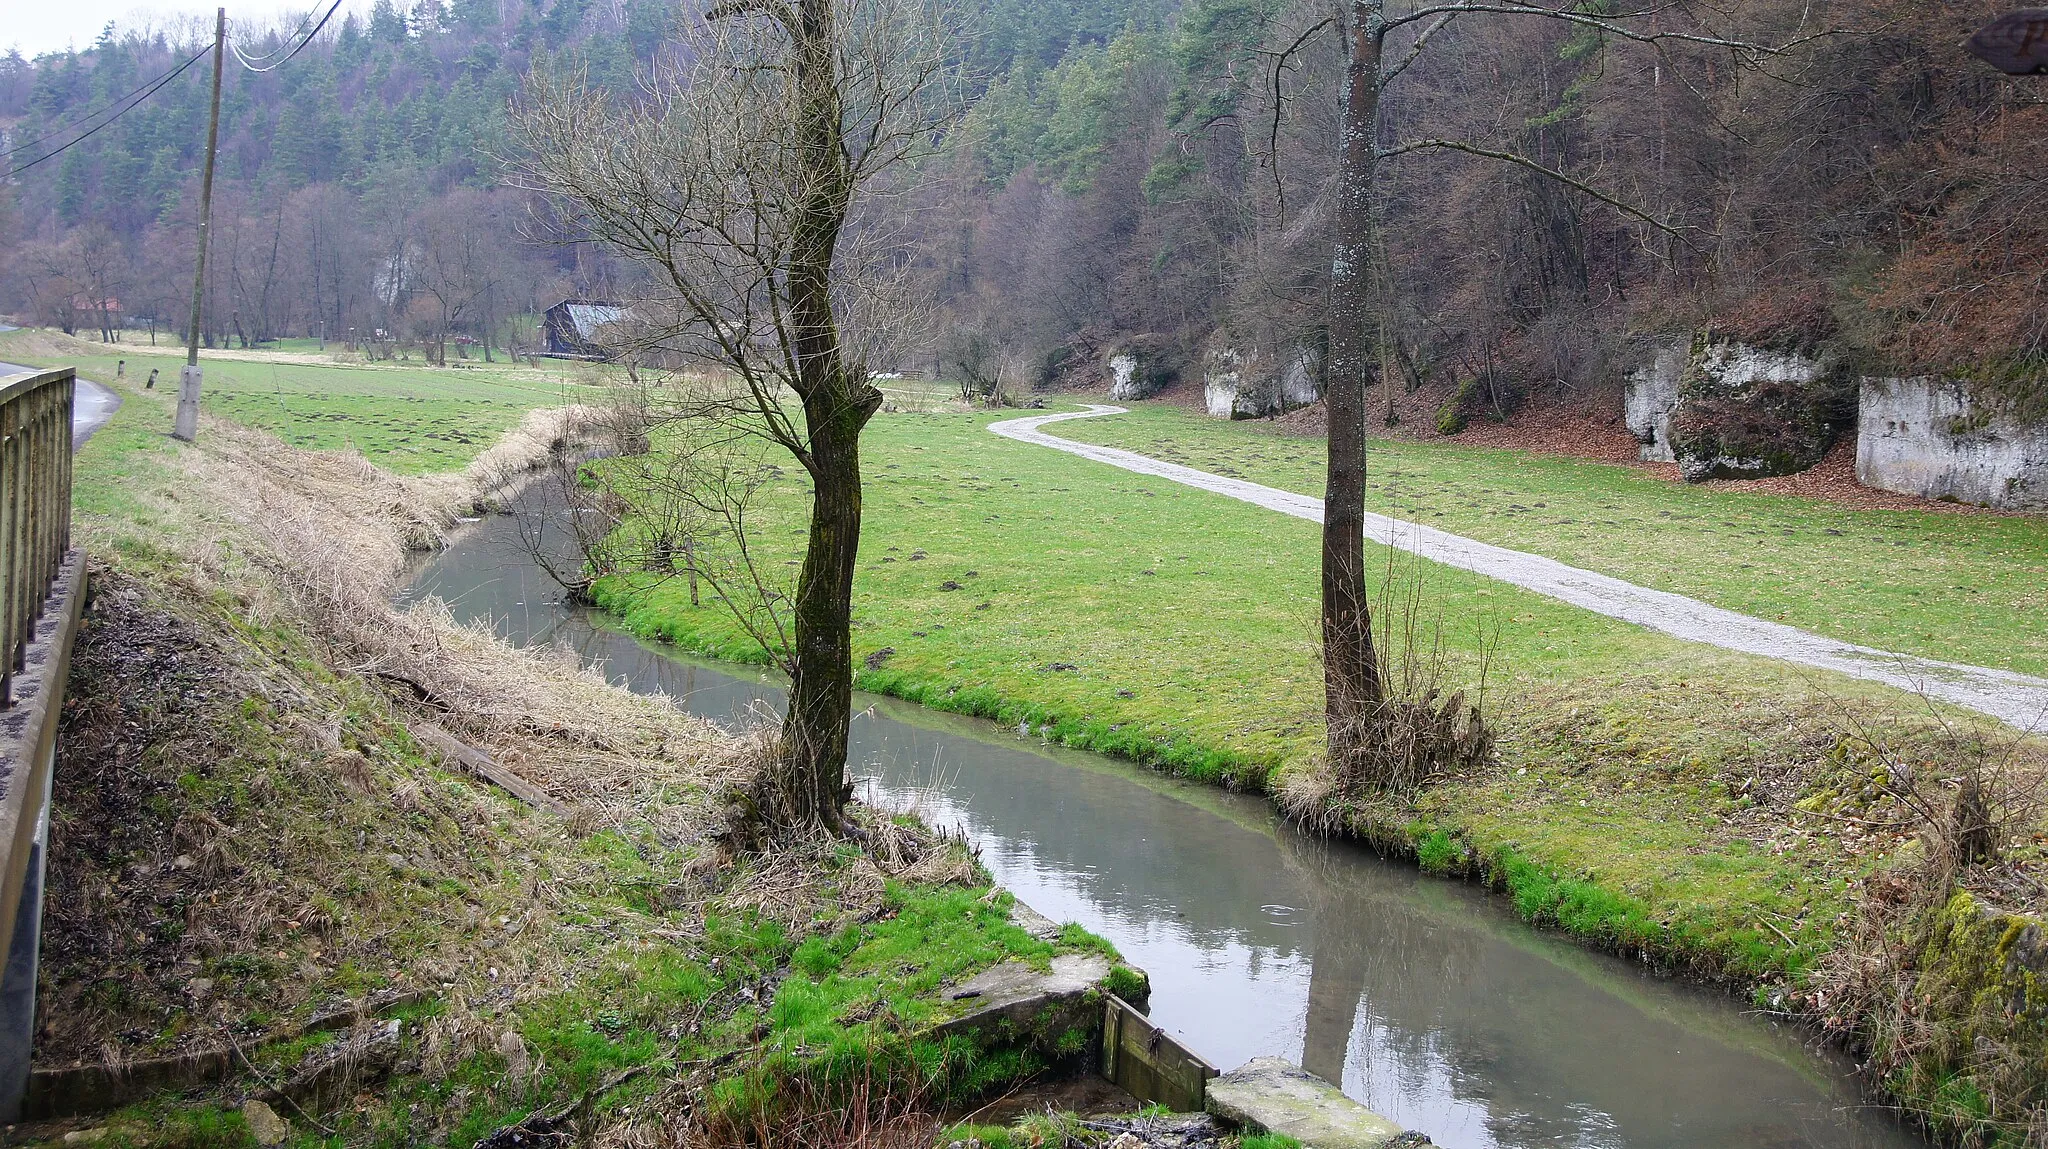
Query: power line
[
  {"x": 303, "y": 21},
  {"x": 143, "y": 94},
  {"x": 133, "y": 99},
  {"x": 246, "y": 62},
  {"x": 96, "y": 113}
]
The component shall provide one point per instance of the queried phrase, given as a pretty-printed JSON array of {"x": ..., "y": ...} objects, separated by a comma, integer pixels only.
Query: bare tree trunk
[
  {"x": 1351, "y": 671},
  {"x": 836, "y": 406},
  {"x": 813, "y": 748},
  {"x": 690, "y": 565},
  {"x": 764, "y": 104}
]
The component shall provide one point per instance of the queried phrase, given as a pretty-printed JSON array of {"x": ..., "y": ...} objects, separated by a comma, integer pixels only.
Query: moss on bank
[
  {"x": 1970, "y": 1040},
  {"x": 248, "y": 832}
]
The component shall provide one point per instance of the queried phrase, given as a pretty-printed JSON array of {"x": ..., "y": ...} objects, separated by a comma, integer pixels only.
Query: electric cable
[
  {"x": 294, "y": 34},
  {"x": 245, "y": 61},
  {"x": 142, "y": 95},
  {"x": 97, "y": 112}
]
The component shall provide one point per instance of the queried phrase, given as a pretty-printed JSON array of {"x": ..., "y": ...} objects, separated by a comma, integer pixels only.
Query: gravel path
[{"x": 2019, "y": 700}]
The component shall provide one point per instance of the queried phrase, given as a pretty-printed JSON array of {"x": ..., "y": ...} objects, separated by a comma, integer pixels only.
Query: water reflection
[{"x": 1423, "y": 999}]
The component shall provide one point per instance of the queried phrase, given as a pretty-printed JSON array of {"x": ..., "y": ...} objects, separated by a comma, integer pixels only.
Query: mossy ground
[
  {"x": 1967, "y": 1039},
  {"x": 247, "y": 830}
]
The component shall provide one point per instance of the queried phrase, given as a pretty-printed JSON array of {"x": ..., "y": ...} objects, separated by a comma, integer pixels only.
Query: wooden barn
[{"x": 573, "y": 328}]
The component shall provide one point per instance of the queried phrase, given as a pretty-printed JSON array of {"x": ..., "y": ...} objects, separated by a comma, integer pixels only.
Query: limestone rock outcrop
[
  {"x": 1928, "y": 436},
  {"x": 1648, "y": 397},
  {"x": 1140, "y": 367},
  {"x": 1735, "y": 410},
  {"x": 1252, "y": 382}
]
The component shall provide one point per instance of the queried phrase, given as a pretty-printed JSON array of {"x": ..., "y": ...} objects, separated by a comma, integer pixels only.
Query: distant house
[
  {"x": 100, "y": 313},
  {"x": 573, "y": 328}
]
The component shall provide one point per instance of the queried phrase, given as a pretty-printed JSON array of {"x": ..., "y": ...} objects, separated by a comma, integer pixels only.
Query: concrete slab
[
  {"x": 1014, "y": 1003},
  {"x": 1034, "y": 923},
  {"x": 1278, "y": 1096}
]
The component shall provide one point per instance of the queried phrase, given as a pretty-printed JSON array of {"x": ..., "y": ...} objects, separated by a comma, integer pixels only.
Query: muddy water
[{"x": 1425, "y": 999}]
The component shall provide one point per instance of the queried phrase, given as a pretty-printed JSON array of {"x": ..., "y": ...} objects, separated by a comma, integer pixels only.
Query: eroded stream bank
[{"x": 1426, "y": 1000}]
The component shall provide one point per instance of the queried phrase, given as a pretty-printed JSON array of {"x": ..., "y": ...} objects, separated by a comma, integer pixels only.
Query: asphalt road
[{"x": 91, "y": 405}]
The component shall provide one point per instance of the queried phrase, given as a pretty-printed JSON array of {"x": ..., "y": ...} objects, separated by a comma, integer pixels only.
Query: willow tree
[
  {"x": 737, "y": 178},
  {"x": 1382, "y": 41}
]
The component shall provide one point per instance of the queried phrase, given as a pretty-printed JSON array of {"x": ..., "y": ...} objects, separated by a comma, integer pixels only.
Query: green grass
[
  {"x": 408, "y": 417},
  {"x": 1188, "y": 620},
  {"x": 1112, "y": 612},
  {"x": 1963, "y": 588},
  {"x": 654, "y": 986}
]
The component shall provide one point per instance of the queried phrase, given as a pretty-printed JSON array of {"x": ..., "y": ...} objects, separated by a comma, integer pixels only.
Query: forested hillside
[
  {"x": 361, "y": 183},
  {"x": 1130, "y": 170},
  {"x": 1873, "y": 187}
]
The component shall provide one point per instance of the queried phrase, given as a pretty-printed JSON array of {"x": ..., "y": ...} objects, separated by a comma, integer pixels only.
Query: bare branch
[
  {"x": 1623, "y": 206},
  {"x": 1610, "y": 25}
]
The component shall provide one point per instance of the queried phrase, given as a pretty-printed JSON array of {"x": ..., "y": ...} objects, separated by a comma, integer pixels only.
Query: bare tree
[
  {"x": 738, "y": 183},
  {"x": 1360, "y": 294},
  {"x": 973, "y": 357},
  {"x": 459, "y": 243}
]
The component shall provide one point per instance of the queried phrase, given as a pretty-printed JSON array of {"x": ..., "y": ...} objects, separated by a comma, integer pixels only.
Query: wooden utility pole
[{"x": 187, "y": 426}]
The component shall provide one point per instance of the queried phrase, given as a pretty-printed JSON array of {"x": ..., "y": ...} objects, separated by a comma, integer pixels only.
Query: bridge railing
[
  {"x": 42, "y": 592},
  {"x": 35, "y": 507}
]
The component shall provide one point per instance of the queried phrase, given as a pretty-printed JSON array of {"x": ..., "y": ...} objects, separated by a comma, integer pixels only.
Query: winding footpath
[{"x": 2019, "y": 700}]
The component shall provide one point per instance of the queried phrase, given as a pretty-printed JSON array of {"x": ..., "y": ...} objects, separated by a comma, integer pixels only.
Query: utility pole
[{"x": 187, "y": 426}]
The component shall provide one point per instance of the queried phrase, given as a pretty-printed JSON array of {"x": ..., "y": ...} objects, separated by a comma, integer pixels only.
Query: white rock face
[
  {"x": 1301, "y": 380},
  {"x": 1792, "y": 400},
  {"x": 1123, "y": 376},
  {"x": 1223, "y": 381},
  {"x": 1736, "y": 365},
  {"x": 1242, "y": 383},
  {"x": 1925, "y": 437},
  {"x": 1647, "y": 399}
]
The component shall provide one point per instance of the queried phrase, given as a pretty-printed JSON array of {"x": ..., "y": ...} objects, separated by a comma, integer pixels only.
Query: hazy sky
[{"x": 36, "y": 26}]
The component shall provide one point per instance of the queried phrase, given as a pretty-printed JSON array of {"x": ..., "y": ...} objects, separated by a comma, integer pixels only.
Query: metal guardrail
[{"x": 35, "y": 506}]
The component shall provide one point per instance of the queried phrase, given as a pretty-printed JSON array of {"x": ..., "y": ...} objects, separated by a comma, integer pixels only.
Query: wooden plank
[
  {"x": 1148, "y": 1063},
  {"x": 475, "y": 762}
]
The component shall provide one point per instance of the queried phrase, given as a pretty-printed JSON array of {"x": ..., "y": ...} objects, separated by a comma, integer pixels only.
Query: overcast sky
[{"x": 36, "y": 26}]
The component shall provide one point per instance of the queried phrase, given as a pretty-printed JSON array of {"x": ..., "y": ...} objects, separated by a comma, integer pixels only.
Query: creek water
[{"x": 1426, "y": 1000}]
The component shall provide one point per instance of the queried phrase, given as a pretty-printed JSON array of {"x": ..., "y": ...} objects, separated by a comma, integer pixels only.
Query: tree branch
[
  {"x": 1522, "y": 161},
  {"x": 1279, "y": 103},
  {"x": 1610, "y": 25}
]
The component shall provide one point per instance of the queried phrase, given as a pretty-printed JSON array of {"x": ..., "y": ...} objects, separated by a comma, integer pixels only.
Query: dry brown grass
[
  {"x": 321, "y": 538},
  {"x": 238, "y": 758}
]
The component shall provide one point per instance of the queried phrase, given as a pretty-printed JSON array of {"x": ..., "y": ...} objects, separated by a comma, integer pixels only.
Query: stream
[{"x": 1425, "y": 999}]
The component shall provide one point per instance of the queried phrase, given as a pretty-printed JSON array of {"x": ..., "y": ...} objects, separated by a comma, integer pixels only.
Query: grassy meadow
[
  {"x": 1132, "y": 616},
  {"x": 409, "y": 417},
  {"x": 1961, "y": 587},
  {"x": 1109, "y": 611}
]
